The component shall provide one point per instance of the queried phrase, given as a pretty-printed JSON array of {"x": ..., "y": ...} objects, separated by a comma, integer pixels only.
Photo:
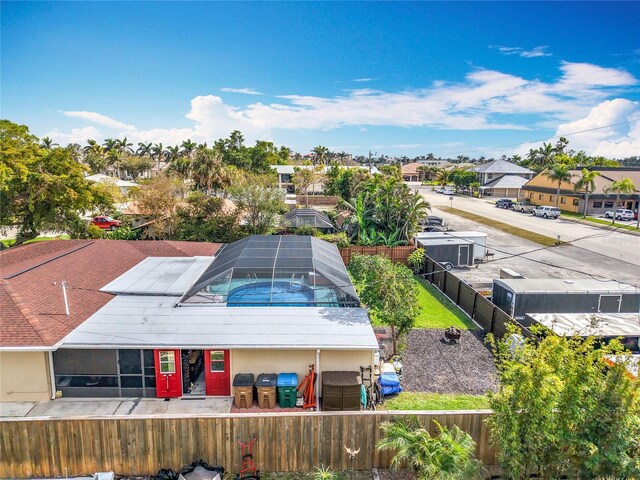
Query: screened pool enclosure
[{"x": 271, "y": 270}]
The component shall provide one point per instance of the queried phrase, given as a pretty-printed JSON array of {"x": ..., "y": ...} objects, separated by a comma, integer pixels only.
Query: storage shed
[
  {"x": 521, "y": 296},
  {"x": 449, "y": 252},
  {"x": 479, "y": 240}
]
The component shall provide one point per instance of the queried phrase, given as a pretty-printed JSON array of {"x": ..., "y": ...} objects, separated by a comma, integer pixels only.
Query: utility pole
[{"x": 369, "y": 162}]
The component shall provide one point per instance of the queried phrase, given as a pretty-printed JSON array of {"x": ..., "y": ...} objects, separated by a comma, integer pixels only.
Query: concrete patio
[{"x": 63, "y": 407}]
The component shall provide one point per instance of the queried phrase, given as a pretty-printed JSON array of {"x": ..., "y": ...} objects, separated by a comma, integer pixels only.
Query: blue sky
[{"x": 396, "y": 78}]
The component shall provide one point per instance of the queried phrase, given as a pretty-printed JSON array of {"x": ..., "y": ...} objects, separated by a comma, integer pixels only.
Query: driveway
[{"x": 613, "y": 244}]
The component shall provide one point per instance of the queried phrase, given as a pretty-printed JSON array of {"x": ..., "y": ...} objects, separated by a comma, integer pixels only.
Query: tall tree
[
  {"x": 188, "y": 148},
  {"x": 624, "y": 186},
  {"x": 561, "y": 412},
  {"x": 144, "y": 149},
  {"x": 559, "y": 173},
  {"x": 320, "y": 154},
  {"x": 303, "y": 177},
  {"x": 41, "y": 189},
  {"x": 260, "y": 201},
  {"x": 208, "y": 170},
  {"x": 157, "y": 152},
  {"x": 124, "y": 146},
  {"x": 47, "y": 143},
  {"x": 586, "y": 184},
  {"x": 158, "y": 200},
  {"x": 389, "y": 290}
]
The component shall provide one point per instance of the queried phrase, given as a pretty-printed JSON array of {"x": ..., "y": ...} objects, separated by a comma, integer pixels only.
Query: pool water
[{"x": 264, "y": 294}]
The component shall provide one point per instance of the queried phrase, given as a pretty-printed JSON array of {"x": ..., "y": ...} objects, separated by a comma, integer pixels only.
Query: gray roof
[
  {"x": 560, "y": 285},
  {"x": 133, "y": 321},
  {"x": 506, "y": 181},
  {"x": 274, "y": 258},
  {"x": 585, "y": 324},
  {"x": 442, "y": 240},
  {"x": 501, "y": 166},
  {"x": 159, "y": 276},
  {"x": 306, "y": 217}
]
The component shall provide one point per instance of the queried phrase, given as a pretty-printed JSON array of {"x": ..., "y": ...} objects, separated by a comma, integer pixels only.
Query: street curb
[{"x": 599, "y": 225}]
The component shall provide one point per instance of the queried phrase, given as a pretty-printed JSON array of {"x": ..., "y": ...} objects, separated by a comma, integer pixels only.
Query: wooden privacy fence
[
  {"x": 395, "y": 254},
  {"x": 141, "y": 446},
  {"x": 482, "y": 310}
]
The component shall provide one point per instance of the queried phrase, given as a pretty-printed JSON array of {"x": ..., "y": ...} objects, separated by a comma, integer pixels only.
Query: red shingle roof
[{"x": 31, "y": 302}]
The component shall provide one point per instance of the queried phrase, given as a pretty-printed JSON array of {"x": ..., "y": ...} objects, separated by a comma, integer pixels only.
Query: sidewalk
[
  {"x": 600, "y": 225},
  {"x": 66, "y": 407}
]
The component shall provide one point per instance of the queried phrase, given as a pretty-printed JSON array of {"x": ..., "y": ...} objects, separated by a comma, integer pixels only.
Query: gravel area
[{"x": 433, "y": 366}]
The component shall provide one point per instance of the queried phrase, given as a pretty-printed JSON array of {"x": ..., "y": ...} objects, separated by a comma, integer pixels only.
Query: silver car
[{"x": 546, "y": 212}]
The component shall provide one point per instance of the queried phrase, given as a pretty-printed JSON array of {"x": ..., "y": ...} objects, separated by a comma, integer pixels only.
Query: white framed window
[
  {"x": 216, "y": 358},
  {"x": 167, "y": 361}
]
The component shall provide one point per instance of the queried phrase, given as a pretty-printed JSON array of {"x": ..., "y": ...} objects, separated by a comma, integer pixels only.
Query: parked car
[
  {"x": 504, "y": 203},
  {"x": 620, "y": 214},
  {"x": 523, "y": 207},
  {"x": 546, "y": 212},
  {"x": 448, "y": 191},
  {"x": 438, "y": 189},
  {"x": 106, "y": 223}
]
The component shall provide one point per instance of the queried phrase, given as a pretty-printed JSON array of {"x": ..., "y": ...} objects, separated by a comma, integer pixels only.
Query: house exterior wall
[
  {"x": 24, "y": 377},
  {"x": 297, "y": 361},
  {"x": 568, "y": 202}
]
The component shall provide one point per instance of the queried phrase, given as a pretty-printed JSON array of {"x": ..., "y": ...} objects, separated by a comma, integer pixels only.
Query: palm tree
[
  {"x": 586, "y": 184},
  {"x": 342, "y": 156},
  {"x": 559, "y": 172},
  {"x": 449, "y": 455},
  {"x": 109, "y": 144},
  {"x": 47, "y": 143},
  {"x": 93, "y": 147},
  {"x": 144, "y": 149},
  {"x": 442, "y": 177},
  {"x": 124, "y": 146},
  {"x": 320, "y": 154},
  {"x": 75, "y": 150},
  {"x": 623, "y": 186},
  {"x": 172, "y": 153},
  {"x": 156, "y": 153},
  {"x": 208, "y": 170},
  {"x": 188, "y": 147},
  {"x": 545, "y": 155}
]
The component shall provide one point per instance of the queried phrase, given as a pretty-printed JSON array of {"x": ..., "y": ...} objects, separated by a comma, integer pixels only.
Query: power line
[{"x": 543, "y": 139}]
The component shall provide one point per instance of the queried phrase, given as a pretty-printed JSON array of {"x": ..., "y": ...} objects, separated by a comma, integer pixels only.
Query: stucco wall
[
  {"x": 297, "y": 361},
  {"x": 24, "y": 377}
]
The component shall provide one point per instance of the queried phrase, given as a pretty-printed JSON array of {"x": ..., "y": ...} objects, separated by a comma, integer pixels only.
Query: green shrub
[
  {"x": 123, "y": 233},
  {"x": 416, "y": 260},
  {"x": 340, "y": 239},
  {"x": 307, "y": 230}
]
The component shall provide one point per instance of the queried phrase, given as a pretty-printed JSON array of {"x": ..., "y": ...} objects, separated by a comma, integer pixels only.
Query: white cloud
[
  {"x": 485, "y": 100},
  {"x": 246, "y": 91},
  {"x": 540, "y": 51},
  {"x": 76, "y": 135},
  {"x": 365, "y": 79},
  {"x": 100, "y": 119}
]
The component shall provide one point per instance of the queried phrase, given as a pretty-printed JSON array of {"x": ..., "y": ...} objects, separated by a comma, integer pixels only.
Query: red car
[{"x": 106, "y": 223}]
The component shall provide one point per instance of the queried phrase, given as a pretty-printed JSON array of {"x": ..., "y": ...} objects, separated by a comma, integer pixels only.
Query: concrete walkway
[{"x": 66, "y": 407}]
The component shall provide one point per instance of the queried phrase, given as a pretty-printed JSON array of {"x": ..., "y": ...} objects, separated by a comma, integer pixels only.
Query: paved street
[
  {"x": 595, "y": 256},
  {"x": 615, "y": 244}
]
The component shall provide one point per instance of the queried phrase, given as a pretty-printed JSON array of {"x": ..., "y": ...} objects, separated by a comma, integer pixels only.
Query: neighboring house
[
  {"x": 285, "y": 176},
  {"x": 411, "y": 172},
  {"x": 124, "y": 185},
  {"x": 167, "y": 319},
  {"x": 541, "y": 190},
  {"x": 307, "y": 217},
  {"x": 435, "y": 163},
  {"x": 511, "y": 177}
]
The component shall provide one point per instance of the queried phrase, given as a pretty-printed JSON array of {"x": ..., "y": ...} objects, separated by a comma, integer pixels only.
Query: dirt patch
[{"x": 431, "y": 365}]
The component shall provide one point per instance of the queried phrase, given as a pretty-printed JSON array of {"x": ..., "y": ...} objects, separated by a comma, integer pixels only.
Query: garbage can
[
  {"x": 243, "y": 386},
  {"x": 266, "y": 386},
  {"x": 287, "y": 389}
]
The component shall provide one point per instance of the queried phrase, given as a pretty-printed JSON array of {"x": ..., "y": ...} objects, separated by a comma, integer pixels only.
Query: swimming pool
[{"x": 264, "y": 294}]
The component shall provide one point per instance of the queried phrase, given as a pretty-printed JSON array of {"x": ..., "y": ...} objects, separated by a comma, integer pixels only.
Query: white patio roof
[
  {"x": 159, "y": 276},
  {"x": 601, "y": 324},
  {"x": 135, "y": 321}
]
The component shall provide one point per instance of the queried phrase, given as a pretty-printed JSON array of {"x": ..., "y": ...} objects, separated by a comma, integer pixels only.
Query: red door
[
  {"x": 217, "y": 376},
  {"x": 168, "y": 373}
]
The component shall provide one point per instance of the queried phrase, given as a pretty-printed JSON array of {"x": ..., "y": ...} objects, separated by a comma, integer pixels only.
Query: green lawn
[
  {"x": 436, "y": 310},
  {"x": 436, "y": 401},
  {"x": 600, "y": 221},
  {"x": 505, "y": 227},
  {"x": 11, "y": 241}
]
